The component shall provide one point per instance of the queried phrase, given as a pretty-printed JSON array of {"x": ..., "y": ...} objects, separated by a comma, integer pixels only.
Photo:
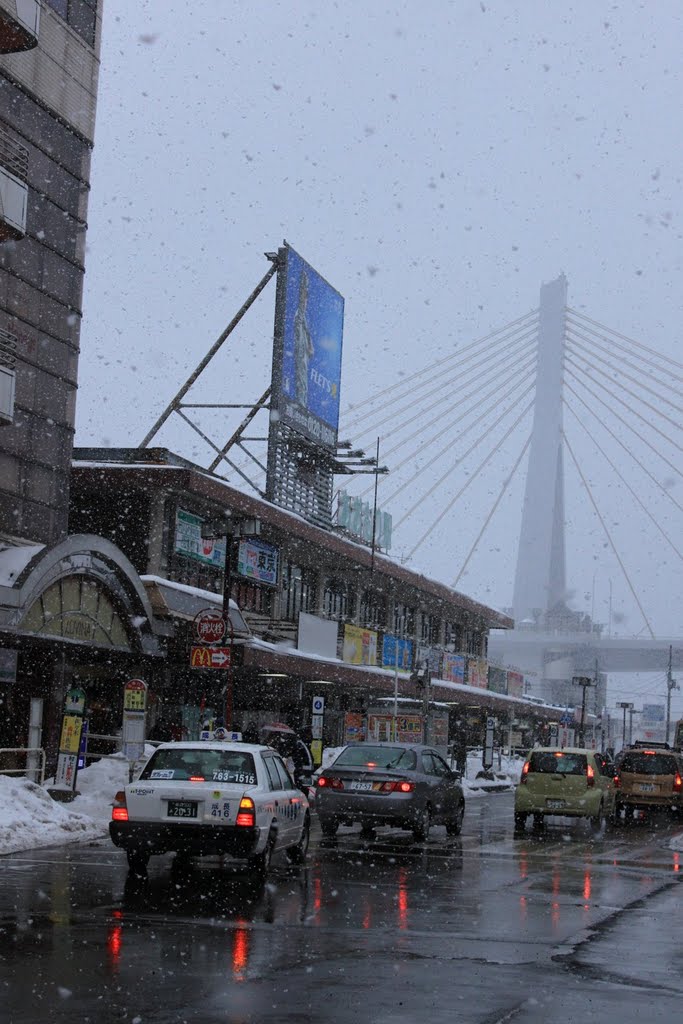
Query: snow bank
[
  {"x": 30, "y": 818},
  {"x": 677, "y": 842}
]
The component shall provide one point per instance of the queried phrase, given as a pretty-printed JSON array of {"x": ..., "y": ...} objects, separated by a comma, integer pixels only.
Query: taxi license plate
[
  {"x": 361, "y": 785},
  {"x": 182, "y": 809},
  {"x": 555, "y": 805},
  {"x": 646, "y": 787}
]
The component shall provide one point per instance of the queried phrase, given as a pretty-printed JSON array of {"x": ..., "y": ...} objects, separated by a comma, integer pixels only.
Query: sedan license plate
[
  {"x": 646, "y": 787},
  {"x": 554, "y": 805},
  {"x": 361, "y": 785},
  {"x": 182, "y": 809}
]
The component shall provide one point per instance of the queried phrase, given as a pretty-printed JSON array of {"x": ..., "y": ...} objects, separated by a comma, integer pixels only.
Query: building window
[
  {"x": 339, "y": 599},
  {"x": 252, "y": 598},
  {"x": 476, "y": 643},
  {"x": 80, "y": 15},
  {"x": 429, "y": 629},
  {"x": 372, "y": 610},
  {"x": 404, "y": 620},
  {"x": 298, "y": 591}
]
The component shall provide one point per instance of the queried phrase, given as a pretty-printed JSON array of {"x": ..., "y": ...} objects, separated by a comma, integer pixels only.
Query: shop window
[
  {"x": 453, "y": 636},
  {"x": 372, "y": 610},
  {"x": 339, "y": 599},
  {"x": 429, "y": 629},
  {"x": 298, "y": 591},
  {"x": 252, "y": 598}
]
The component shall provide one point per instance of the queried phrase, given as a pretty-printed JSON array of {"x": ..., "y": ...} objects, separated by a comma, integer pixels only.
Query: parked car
[
  {"x": 403, "y": 785},
  {"x": 648, "y": 776},
  {"x": 572, "y": 782},
  {"x": 212, "y": 798}
]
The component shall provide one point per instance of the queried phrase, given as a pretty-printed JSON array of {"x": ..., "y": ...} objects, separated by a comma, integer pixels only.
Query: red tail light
[
  {"x": 331, "y": 782},
  {"x": 399, "y": 786},
  {"x": 617, "y": 782},
  {"x": 590, "y": 775},
  {"x": 119, "y": 811},
  {"x": 197, "y": 778},
  {"x": 678, "y": 783},
  {"x": 246, "y": 815},
  {"x": 525, "y": 771}
]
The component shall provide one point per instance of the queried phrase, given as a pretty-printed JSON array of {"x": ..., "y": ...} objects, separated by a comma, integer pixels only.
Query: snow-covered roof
[
  {"x": 13, "y": 560},
  {"x": 186, "y": 602}
]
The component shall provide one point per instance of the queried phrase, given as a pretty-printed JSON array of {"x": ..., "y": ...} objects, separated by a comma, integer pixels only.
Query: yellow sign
[
  {"x": 360, "y": 646},
  {"x": 135, "y": 695},
  {"x": 70, "y": 739},
  {"x": 317, "y": 751}
]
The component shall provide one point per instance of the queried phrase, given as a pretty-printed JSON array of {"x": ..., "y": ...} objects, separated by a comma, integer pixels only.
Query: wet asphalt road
[{"x": 484, "y": 928}]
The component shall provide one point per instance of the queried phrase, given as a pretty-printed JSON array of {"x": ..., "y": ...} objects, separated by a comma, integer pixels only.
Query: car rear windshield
[
  {"x": 648, "y": 764},
  {"x": 376, "y": 757},
  {"x": 183, "y": 763},
  {"x": 549, "y": 762}
]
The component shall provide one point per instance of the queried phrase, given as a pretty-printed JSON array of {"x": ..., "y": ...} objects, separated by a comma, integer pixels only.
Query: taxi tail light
[
  {"x": 119, "y": 811},
  {"x": 197, "y": 778},
  {"x": 590, "y": 775},
  {"x": 246, "y": 816},
  {"x": 617, "y": 782},
  {"x": 331, "y": 782},
  {"x": 678, "y": 783},
  {"x": 525, "y": 772}
]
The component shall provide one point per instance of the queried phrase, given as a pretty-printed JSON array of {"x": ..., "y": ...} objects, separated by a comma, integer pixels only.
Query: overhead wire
[
  {"x": 469, "y": 481},
  {"x": 462, "y": 415},
  {"x": 456, "y": 353},
  {"x": 443, "y": 451},
  {"x": 624, "y": 337},
  {"x": 610, "y": 346},
  {"x": 628, "y": 451},
  {"x": 398, "y": 410},
  {"x": 633, "y": 494},
  {"x": 506, "y": 484},
  {"x": 625, "y": 404},
  {"x": 607, "y": 534}
]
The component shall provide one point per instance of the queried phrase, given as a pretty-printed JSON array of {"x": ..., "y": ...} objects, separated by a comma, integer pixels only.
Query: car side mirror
[{"x": 304, "y": 780}]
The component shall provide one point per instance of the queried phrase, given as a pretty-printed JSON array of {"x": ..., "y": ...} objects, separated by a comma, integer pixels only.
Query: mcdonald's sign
[{"x": 210, "y": 657}]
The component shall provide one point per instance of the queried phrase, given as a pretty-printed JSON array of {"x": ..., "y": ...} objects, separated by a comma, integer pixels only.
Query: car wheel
[
  {"x": 423, "y": 825},
  {"x": 520, "y": 821},
  {"x": 598, "y": 821},
  {"x": 539, "y": 822},
  {"x": 367, "y": 831},
  {"x": 329, "y": 826},
  {"x": 138, "y": 861},
  {"x": 297, "y": 854},
  {"x": 260, "y": 863},
  {"x": 454, "y": 826}
]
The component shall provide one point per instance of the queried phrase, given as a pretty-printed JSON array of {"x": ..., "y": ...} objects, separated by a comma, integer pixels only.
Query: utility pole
[
  {"x": 626, "y": 706},
  {"x": 584, "y": 682},
  {"x": 631, "y": 713},
  {"x": 671, "y": 684}
]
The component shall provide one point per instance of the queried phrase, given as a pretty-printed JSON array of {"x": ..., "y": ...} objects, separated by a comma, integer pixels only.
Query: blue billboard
[{"x": 309, "y": 322}]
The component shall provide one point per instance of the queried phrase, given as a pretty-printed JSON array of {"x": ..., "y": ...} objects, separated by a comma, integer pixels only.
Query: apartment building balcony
[
  {"x": 19, "y": 25},
  {"x": 8, "y": 348}
]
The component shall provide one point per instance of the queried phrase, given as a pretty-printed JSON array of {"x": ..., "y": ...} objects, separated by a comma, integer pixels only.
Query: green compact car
[{"x": 573, "y": 783}]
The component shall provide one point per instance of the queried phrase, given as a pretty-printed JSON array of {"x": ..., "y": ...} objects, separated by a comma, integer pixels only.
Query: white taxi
[{"x": 212, "y": 798}]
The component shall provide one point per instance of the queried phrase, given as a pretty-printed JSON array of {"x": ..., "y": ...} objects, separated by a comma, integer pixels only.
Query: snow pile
[
  {"x": 677, "y": 842},
  {"x": 30, "y": 818}
]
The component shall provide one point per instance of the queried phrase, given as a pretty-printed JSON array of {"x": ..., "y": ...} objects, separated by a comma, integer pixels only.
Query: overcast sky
[{"x": 435, "y": 162}]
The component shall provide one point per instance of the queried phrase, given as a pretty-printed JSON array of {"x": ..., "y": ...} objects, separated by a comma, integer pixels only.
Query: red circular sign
[{"x": 209, "y": 626}]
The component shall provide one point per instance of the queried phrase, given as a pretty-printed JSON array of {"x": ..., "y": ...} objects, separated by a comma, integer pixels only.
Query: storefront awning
[{"x": 179, "y": 601}]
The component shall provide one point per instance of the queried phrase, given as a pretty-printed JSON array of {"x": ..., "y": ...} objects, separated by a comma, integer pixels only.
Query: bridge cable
[
  {"x": 633, "y": 394},
  {"x": 576, "y": 342},
  {"x": 626, "y": 405},
  {"x": 359, "y": 426},
  {"x": 445, "y": 451},
  {"x": 625, "y": 482},
  {"x": 624, "y": 337},
  {"x": 398, "y": 409},
  {"x": 608, "y": 535},
  {"x": 665, "y": 491},
  {"x": 463, "y": 415},
  {"x": 470, "y": 480},
  {"x": 609, "y": 347},
  {"x": 440, "y": 362},
  {"x": 506, "y": 484}
]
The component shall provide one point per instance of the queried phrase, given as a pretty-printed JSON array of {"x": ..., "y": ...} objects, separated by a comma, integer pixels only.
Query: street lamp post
[
  {"x": 625, "y": 705},
  {"x": 584, "y": 682}
]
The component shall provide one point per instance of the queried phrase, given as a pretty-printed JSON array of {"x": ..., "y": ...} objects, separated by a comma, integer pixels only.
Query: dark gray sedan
[{"x": 404, "y": 785}]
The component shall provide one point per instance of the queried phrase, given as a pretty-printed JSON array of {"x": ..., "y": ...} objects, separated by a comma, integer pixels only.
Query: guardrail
[{"x": 38, "y": 771}]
